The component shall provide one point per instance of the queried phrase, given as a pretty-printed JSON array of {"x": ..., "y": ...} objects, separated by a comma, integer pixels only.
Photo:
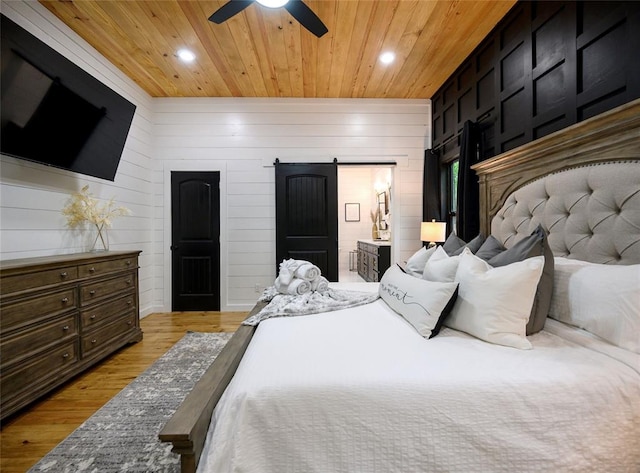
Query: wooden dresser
[
  {"x": 61, "y": 314},
  {"x": 374, "y": 258}
]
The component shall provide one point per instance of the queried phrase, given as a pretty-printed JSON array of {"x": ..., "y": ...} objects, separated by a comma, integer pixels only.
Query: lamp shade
[{"x": 433, "y": 231}]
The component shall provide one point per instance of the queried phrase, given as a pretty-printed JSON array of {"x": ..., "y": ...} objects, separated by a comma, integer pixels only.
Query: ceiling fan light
[{"x": 272, "y": 3}]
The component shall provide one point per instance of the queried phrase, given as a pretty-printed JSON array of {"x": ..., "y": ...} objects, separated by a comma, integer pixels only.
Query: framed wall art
[{"x": 352, "y": 212}]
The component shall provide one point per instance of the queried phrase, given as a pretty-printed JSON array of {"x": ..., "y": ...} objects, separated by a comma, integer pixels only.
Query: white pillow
[
  {"x": 415, "y": 264},
  {"x": 494, "y": 304},
  {"x": 441, "y": 267},
  {"x": 600, "y": 298},
  {"x": 423, "y": 304}
]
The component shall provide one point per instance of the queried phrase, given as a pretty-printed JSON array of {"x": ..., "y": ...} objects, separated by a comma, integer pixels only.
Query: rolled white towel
[
  {"x": 320, "y": 284},
  {"x": 307, "y": 271},
  {"x": 296, "y": 287},
  {"x": 287, "y": 270}
]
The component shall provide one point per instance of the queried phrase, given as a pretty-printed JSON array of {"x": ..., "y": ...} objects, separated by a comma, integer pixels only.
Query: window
[{"x": 452, "y": 193}]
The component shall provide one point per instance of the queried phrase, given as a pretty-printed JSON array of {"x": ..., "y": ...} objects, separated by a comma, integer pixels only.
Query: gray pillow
[
  {"x": 525, "y": 248},
  {"x": 534, "y": 245},
  {"x": 474, "y": 245},
  {"x": 490, "y": 248},
  {"x": 455, "y": 245}
]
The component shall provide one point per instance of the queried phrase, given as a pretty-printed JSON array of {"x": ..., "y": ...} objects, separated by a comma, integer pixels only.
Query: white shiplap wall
[
  {"x": 238, "y": 137},
  {"x": 242, "y": 137},
  {"x": 32, "y": 195}
]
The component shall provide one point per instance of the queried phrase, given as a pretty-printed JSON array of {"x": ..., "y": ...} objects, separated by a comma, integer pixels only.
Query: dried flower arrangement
[
  {"x": 375, "y": 214},
  {"x": 83, "y": 207}
]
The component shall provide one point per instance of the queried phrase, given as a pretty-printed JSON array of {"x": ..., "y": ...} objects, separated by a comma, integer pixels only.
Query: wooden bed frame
[{"x": 611, "y": 136}]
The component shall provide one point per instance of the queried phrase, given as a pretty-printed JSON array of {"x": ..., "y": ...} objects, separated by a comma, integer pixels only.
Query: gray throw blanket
[{"x": 313, "y": 302}]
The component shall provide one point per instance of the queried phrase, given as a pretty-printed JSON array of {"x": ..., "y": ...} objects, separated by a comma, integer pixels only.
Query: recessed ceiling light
[
  {"x": 272, "y": 3},
  {"x": 387, "y": 58},
  {"x": 186, "y": 55}
]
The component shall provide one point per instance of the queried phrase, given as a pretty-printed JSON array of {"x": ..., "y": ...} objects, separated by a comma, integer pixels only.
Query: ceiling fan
[{"x": 296, "y": 8}]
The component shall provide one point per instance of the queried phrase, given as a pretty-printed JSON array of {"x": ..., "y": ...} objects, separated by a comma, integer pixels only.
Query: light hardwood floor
[{"x": 33, "y": 432}]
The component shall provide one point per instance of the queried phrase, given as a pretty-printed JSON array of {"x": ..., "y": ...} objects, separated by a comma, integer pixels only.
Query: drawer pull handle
[
  {"x": 129, "y": 322},
  {"x": 128, "y": 262},
  {"x": 65, "y": 328},
  {"x": 128, "y": 281},
  {"x": 94, "y": 341},
  {"x": 63, "y": 274},
  {"x": 65, "y": 356},
  {"x": 93, "y": 317},
  {"x": 92, "y": 292},
  {"x": 92, "y": 269},
  {"x": 129, "y": 302},
  {"x": 65, "y": 300}
]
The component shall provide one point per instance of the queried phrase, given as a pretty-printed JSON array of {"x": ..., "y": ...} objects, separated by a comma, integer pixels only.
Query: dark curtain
[
  {"x": 431, "y": 204},
  {"x": 468, "y": 212}
]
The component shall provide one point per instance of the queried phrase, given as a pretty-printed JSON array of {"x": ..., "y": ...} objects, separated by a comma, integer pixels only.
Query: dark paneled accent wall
[{"x": 545, "y": 66}]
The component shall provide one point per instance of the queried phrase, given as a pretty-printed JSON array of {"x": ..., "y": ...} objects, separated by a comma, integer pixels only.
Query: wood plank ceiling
[{"x": 264, "y": 52}]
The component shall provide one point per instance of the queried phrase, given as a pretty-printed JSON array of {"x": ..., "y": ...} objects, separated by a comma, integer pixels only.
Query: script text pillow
[
  {"x": 494, "y": 304},
  {"x": 424, "y": 304}
]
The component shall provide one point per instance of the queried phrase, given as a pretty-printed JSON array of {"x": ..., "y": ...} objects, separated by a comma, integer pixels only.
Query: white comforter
[{"x": 359, "y": 390}]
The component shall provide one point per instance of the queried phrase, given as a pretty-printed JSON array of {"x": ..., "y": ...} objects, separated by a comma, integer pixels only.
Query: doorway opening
[{"x": 365, "y": 206}]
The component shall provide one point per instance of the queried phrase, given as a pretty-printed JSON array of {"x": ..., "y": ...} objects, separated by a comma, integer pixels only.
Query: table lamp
[{"x": 433, "y": 232}]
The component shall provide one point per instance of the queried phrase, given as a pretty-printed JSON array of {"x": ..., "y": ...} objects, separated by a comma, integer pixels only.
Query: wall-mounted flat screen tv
[{"x": 53, "y": 112}]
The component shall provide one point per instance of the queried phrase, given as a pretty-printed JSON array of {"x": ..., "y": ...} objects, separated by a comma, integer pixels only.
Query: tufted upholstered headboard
[
  {"x": 591, "y": 213},
  {"x": 582, "y": 184}
]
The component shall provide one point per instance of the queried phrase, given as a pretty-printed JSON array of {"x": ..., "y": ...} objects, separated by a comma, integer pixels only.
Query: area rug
[{"x": 123, "y": 435}]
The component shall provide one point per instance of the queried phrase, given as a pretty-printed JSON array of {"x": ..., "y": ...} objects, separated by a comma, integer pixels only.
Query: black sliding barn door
[
  {"x": 307, "y": 215},
  {"x": 195, "y": 240}
]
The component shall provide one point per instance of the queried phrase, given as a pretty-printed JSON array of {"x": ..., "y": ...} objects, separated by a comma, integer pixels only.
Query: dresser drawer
[
  {"x": 103, "y": 313},
  {"x": 35, "y": 371},
  {"x": 99, "y": 339},
  {"x": 93, "y": 291},
  {"x": 105, "y": 267},
  {"x": 22, "y": 282},
  {"x": 37, "y": 309},
  {"x": 16, "y": 348}
]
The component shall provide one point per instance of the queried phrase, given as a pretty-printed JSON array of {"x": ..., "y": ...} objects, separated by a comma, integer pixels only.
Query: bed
[{"x": 366, "y": 389}]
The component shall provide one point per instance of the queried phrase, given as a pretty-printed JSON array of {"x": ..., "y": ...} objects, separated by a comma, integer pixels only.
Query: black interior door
[
  {"x": 195, "y": 240},
  {"x": 307, "y": 215}
]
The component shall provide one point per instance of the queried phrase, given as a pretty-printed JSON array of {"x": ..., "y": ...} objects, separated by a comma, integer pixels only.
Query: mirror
[{"x": 383, "y": 206}]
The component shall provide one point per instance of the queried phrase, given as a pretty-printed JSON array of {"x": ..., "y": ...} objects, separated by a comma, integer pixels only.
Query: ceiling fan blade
[
  {"x": 226, "y": 11},
  {"x": 306, "y": 17}
]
